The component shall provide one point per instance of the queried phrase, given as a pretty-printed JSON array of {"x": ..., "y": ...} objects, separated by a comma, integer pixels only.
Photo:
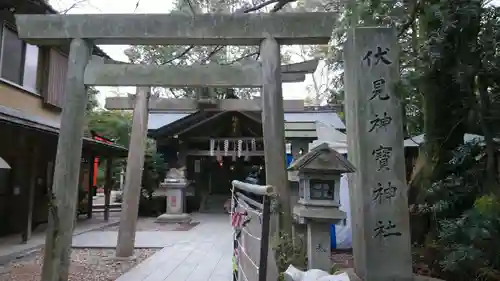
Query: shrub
[{"x": 465, "y": 236}]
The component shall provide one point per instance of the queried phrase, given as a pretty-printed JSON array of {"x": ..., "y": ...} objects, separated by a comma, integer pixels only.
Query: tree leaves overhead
[
  {"x": 92, "y": 102},
  {"x": 188, "y": 55},
  {"x": 115, "y": 125}
]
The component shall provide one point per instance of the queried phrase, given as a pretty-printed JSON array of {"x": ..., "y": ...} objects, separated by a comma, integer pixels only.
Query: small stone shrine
[
  {"x": 319, "y": 173},
  {"x": 174, "y": 187}
]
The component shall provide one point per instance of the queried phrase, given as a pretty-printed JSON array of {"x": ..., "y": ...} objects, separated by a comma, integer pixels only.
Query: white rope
[
  {"x": 240, "y": 147},
  {"x": 242, "y": 272},
  {"x": 244, "y": 229},
  {"x": 246, "y": 208},
  {"x": 212, "y": 147},
  {"x": 226, "y": 147},
  {"x": 242, "y": 250},
  {"x": 235, "y": 148}
]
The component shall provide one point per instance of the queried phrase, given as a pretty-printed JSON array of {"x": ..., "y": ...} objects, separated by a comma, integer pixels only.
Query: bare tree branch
[
  {"x": 173, "y": 93},
  {"x": 279, "y": 5},
  {"x": 188, "y": 49},
  {"x": 191, "y": 6},
  {"x": 211, "y": 54},
  {"x": 242, "y": 58},
  {"x": 185, "y": 52},
  {"x": 259, "y": 6},
  {"x": 74, "y": 5}
]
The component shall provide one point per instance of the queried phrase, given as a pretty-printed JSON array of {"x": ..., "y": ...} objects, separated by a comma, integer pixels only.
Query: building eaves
[{"x": 38, "y": 7}]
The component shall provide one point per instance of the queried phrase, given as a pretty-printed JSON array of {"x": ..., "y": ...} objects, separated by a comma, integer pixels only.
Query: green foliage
[
  {"x": 466, "y": 239},
  {"x": 454, "y": 194},
  {"x": 377, "y": 13},
  {"x": 114, "y": 125},
  {"x": 92, "y": 102},
  {"x": 154, "y": 172},
  {"x": 289, "y": 252},
  {"x": 470, "y": 243}
]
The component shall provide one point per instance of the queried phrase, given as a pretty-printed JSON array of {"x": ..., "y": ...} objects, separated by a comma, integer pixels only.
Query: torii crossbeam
[{"x": 178, "y": 29}]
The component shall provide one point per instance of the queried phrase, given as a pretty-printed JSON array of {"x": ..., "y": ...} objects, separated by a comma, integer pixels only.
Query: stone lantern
[
  {"x": 318, "y": 173},
  {"x": 174, "y": 187}
]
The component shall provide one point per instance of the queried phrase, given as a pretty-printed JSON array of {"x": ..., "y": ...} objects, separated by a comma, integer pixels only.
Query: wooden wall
[{"x": 29, "y": 154}]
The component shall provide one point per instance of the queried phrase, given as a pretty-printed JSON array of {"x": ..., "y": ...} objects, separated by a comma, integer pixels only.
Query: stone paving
[
  {"x": 11, "y": 248},
  {"x": 203, "y": 253}
]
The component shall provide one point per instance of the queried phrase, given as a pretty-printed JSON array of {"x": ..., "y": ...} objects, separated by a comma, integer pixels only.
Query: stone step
[{"x": 111, "y": 206}]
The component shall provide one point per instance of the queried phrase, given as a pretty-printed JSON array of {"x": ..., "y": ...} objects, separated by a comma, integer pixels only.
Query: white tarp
[
  {"x": 416, "y": 141},
  {"x": 343, "y": 232},
  {"x": 294, "y": 274},
  {"x": 334, "y": 138}
]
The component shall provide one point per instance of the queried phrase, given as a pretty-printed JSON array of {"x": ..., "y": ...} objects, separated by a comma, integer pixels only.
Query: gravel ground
[{"x": 86, "y": 264}]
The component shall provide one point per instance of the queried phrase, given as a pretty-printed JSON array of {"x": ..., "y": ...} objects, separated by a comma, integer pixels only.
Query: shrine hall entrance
[
  {"x": 216, "y": 147},
  {"x": 224, "y": 170}
]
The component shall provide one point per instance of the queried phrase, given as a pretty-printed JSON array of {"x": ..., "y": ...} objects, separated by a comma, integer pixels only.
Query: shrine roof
[{"x": 159, "y": 119}]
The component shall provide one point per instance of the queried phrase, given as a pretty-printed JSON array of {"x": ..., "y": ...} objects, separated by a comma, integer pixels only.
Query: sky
[{"x": 290, "y": 90}]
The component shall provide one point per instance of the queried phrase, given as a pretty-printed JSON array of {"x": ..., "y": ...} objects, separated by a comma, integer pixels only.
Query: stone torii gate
[
  {"x": 379, "y": 201},
  {"x": 201, "y": 76},
  {"x": 147, "y": 75},
  {"x": 265, "y": 30}
]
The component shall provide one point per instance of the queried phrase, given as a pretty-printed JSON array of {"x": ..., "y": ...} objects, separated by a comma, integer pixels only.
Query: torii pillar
[{"x": 133, "y": 176}]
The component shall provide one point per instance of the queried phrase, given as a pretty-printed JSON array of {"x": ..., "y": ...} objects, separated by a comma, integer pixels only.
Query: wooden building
[
  {"x": 32, "y": 82},
  {"x": 217, "y": 147}
]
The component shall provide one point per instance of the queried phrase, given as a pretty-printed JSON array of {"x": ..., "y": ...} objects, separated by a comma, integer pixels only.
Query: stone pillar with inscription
[{"x": 378, "y": 191}]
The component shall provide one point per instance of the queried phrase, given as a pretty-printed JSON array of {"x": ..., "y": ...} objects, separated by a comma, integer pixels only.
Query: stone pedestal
[
  {"x": 318, "y": 245},
  {"x": 176, "y": 199},
  {"x": 317, "y": 221}
]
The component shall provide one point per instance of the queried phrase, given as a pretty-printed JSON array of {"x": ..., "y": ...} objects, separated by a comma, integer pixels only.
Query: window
[
  {"x": 30, "y": 67},
  {"x": 322, "y": 189},
  {"x": 12, "y": 57},
  {"x": 19, "y": 60}
]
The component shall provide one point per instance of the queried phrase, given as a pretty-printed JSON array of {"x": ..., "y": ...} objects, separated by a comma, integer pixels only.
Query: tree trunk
[
  {"x": 484, "y": 115},
  {"x": 447, "y": 86}
]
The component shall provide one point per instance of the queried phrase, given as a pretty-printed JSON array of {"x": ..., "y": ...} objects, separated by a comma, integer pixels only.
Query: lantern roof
[{"x": 322, "y": 159}]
